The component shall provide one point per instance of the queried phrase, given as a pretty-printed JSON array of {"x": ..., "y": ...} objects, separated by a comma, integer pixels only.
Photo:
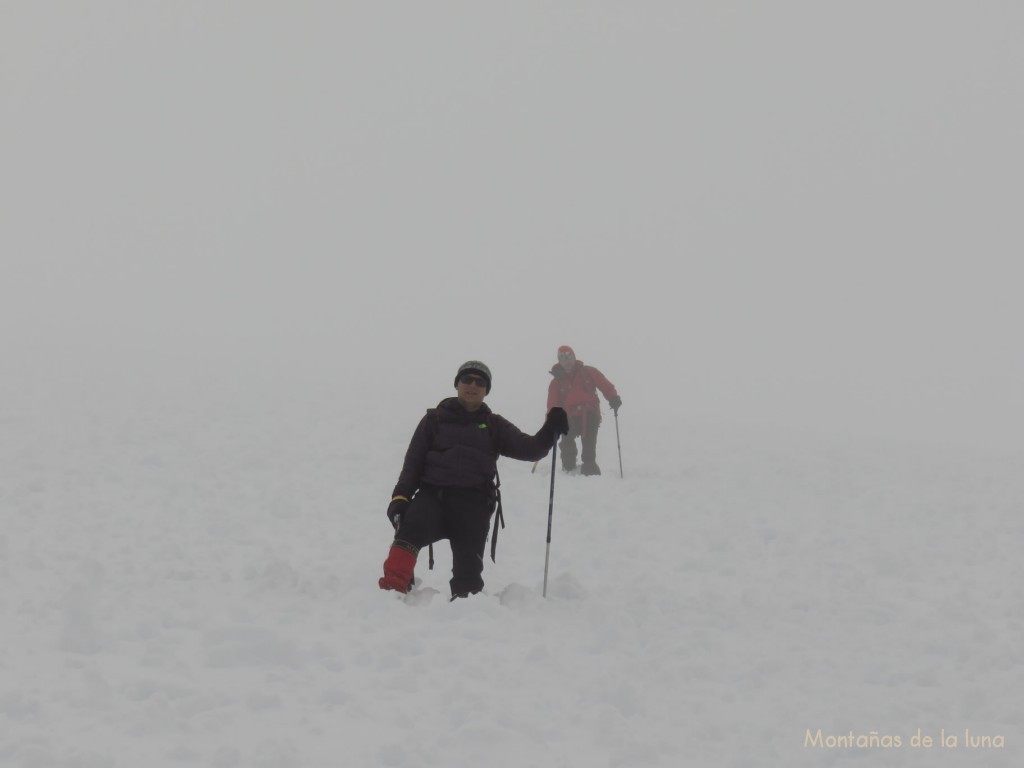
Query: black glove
[
  {"x": 615, "y": 403},
  {"x": 558, "y": 421},
  {"x": 396, "y": 509}
]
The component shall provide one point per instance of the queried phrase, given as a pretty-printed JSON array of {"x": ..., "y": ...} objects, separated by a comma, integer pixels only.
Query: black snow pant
[
  {"x": 583, "y": 426},
  {"x": 461, "y": 515}
]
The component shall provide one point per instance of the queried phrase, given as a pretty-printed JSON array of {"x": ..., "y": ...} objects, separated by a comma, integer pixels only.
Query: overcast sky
[{"x": 796, "y": 211}]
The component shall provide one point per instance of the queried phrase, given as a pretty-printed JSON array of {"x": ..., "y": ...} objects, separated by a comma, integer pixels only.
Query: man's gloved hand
[
  {"x": 615, "y": 403},
  {"x": 396, "y": 509},
  {"x": 558, "y": 420}
]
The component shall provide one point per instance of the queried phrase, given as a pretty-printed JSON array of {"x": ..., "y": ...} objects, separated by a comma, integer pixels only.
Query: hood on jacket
[
  {"x": 457, "y": 410},
  {"x": 558, "y": 371}
]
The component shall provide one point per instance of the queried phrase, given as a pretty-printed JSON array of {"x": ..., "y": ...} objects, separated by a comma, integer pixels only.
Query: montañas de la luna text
[{"x": 879, "y": 740}]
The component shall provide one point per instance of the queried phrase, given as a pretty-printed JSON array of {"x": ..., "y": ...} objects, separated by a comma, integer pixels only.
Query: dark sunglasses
[
  {"x": 565, "y": 355},
  {"x": 480, "y": 381}
]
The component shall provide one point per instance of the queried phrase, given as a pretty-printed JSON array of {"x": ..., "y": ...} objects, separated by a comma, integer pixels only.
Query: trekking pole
[
  {"x": 551, "y": 509},
  {"x": 618, "y": 443}
]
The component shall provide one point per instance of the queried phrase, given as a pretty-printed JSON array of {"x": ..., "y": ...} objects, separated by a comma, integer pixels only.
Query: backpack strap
[
  {"x": 499, "y": 518},
  {"x": 431, "y": 433}
]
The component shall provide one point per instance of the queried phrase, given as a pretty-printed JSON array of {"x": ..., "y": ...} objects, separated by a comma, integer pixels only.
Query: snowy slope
[
  {"x": 243, "y": 246},
  {"x": 190, "y": 579}
]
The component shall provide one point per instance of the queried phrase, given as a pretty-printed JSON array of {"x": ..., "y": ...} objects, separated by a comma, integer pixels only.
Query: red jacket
[{"x": 576, "y": 390}]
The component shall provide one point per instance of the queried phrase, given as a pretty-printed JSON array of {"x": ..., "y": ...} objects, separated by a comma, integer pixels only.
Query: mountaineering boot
[
  {"x": 398, "y": 569},
  {"x": 590, "y": 469}
]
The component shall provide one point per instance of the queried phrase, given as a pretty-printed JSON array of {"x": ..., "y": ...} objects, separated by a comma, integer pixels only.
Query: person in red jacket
[{"x": 574, "y": 388}]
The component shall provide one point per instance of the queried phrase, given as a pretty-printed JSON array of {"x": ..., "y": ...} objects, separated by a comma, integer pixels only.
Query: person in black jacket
[{"x": 446, "y": 488}]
